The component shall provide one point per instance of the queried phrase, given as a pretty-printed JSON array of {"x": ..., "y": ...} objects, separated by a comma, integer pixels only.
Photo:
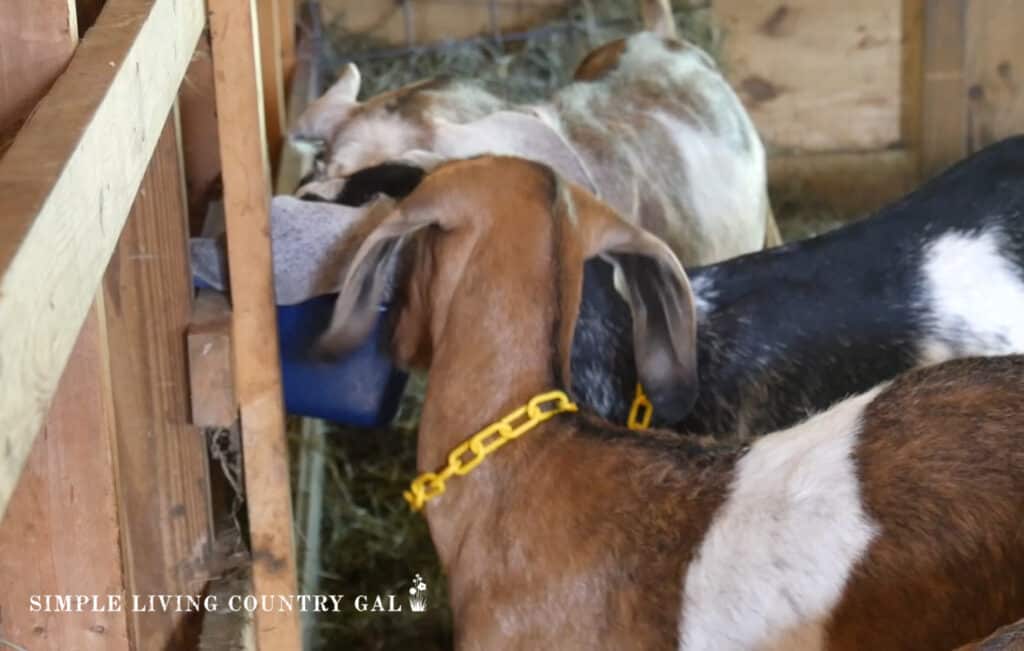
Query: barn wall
[
  {"x": 428, "y": 21},
  {"x": 857, "y": 100}
]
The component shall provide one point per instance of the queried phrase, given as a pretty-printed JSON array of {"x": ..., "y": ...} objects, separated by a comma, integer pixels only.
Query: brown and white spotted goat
[
  {"x": 654, "y": 130},
  {"x": 893, "y": 520}
]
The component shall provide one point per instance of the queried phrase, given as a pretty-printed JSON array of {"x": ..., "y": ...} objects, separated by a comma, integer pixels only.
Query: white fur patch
[
  {"x": 974, "y": 298},
  {"x": 777, "y": 556},
  {"x": 704, "y": 293}
]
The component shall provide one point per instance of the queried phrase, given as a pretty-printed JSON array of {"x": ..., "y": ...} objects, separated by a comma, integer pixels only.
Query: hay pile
[
  {"x": 524, "y": 67},
  {"x": 371, "y": 542}
]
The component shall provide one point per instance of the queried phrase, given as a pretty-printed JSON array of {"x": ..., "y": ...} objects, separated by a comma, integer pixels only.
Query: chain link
[
  {"x": 641, "y": 412},
  {"x": 470, "y": 453}
]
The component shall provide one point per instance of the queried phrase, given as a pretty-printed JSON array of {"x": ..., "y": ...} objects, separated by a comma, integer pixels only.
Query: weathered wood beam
[
  {"x": 246, "y": 175},
  {"x": 66, "y": 185}
]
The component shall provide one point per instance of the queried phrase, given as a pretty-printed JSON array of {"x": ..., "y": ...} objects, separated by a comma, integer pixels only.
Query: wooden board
[
  {"x": 305, "y": 89},
  {"x": 994, "y": 70},
  {"x": 60, "y": 534},
  {"x": 66, "y": 185},
  {"x": 37, "y": 38},
  {"x": 286, "y": 20},
  {"x": 943, "y": 108},
  {"x": 257, "y": 373},
  {"x": 816, "y": 75},
  {"x": 162, "y": 483},
  {"x": 200, "y": 147},
  {"x": 272, "y": 81},
  {"x": 436, "y": 20},
  {"x": 210, "y": 361}
]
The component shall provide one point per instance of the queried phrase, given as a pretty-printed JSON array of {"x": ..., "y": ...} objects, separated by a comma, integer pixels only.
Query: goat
[
  {"x": 660, "y": 135},
  {"x": 890, "y": 521},
  {"x": 786, "y": 332},
  {"x": 789, "y": 331}
]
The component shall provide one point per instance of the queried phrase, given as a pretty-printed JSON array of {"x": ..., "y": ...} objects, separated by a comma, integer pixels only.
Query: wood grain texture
[
  {"x": 272, "y": 81},
  {"x": 162, "y": 480},
  {"x": 197, "y": 106},
  {"x": 943, "y": 119},
  {"x": 287, "y": 31},
  {"x": 436, "y": 20},
  {"x": 66, "y": 185},
  {"x": 257, "y": 371},
  {"x": 60, "y": 534},
  {"x": 994, "y": 71},
  {"x": 211, "y": 362},
  {"x": 912, "y": 70},
  {"x": 305, "y": 89},
  {"x": 816, "y": 75},
  {"x": 36, "y": 41}
]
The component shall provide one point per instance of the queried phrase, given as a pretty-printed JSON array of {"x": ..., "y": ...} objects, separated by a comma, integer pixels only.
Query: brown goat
[{"x": 893, "y": 520}]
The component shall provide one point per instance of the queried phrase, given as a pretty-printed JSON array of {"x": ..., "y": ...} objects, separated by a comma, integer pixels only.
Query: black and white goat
[{"x": 786, "y": 332}]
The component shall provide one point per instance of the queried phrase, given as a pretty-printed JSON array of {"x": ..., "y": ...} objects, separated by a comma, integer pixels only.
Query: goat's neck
[{"x": 487, "y": 361}]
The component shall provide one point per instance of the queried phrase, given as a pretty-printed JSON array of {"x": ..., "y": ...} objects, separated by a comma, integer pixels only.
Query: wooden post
[
  {"x": 254, "y": 334},
  {"x": 269, "y": 14},
  {"x": 200, "y": 147},
  {"x": 286, "y": 29},
  {"x": 162, "y": 482},
  {"x": 60, "y": 535},
  {"x": 943, "y": 120},
  {"x": 994, "y": 71}
]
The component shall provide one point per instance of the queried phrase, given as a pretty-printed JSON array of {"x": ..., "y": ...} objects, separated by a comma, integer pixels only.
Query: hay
[
  {"x": 371, "y": 542},
  {"x": 522, "y": 67}
]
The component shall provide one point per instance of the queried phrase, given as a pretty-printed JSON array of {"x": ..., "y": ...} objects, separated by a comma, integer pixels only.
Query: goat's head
[
  {"x": 506, "y": 226},
  {"x": 357, "y": 134},
  {"x": 424, "y": 124}
]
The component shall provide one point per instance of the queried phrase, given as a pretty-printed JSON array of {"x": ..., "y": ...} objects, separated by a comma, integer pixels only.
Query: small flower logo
[{"x": 418, "y": 595}]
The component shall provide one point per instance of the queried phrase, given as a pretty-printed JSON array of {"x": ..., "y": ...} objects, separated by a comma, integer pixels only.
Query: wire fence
[{"x": 524, "y": 51}]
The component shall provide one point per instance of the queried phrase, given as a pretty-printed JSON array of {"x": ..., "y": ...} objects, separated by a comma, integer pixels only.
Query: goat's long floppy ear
[
  {"x": 369, "y": 273},
  {"x": 510, "y": 133},
  {"x": 653, "y": 282},
  {"x": 321, "y": 118}
]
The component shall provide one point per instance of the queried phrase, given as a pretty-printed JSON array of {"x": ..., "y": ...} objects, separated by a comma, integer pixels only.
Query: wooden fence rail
[{"x": 66, "y": 187}]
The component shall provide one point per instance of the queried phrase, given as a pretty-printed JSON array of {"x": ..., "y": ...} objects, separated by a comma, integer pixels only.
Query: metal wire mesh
[{"x": 524, "y": 51}]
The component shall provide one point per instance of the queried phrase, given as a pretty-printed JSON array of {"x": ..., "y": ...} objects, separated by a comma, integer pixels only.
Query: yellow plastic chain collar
[
  {"x": 471, "y": 452},
  {"x": 641, "y": 412}
]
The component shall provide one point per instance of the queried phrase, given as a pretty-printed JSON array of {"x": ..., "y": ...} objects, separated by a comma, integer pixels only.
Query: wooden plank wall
[
  {"x": 64, "y": 198},
  {"x": 64, "y": 511},
  {"x": 857, "y": 100},
  {"x": 200, "y": 143},
  {"x": 161, "y": 459},
  {"x": 427, "y": 21},
  {"x": 816, "y": 75},
  {"x": 36, "y": 42}
]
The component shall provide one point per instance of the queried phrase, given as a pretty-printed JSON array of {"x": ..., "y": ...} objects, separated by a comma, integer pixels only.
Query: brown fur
[
  {"x": 600, "y": 61},
  {"x": 578, "y": 535},
  {"x": 944, "y": 480},
  {"x": 575, "y": 536}
]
